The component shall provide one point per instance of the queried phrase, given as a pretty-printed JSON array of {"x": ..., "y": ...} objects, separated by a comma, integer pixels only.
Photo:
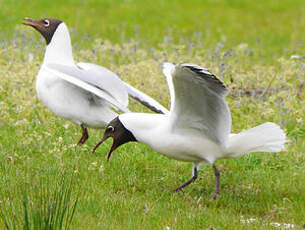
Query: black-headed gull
[
  {"x": 83, "y": 93},
  {"x": 198, "y": 126}
]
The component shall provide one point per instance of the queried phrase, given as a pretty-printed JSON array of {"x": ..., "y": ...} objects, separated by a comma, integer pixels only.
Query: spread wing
[
  {"x": 98, "y": 80},
  {"x": 198, "y": 101}
]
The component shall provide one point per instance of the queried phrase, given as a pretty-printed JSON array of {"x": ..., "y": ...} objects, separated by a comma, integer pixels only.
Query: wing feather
[
  {"x": 198, "y": 101},
  {"x": 145, "y": 100},
  {"x": 107, "y": 80},
  {"x": 82, "y": 79}
]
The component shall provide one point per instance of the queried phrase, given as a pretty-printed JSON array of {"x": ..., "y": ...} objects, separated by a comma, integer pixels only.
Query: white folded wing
[
  {"x": 143, "y": 98},
  {"x": 103, "y": 83},
  {"x": 198, "y": 101},
  {"x": 107, "y": 79}
]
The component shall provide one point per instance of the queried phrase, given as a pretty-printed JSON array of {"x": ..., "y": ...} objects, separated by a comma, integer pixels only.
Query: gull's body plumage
[
  {"x": 84, "y": 93},
  {"x": 68, "y": 100},
  {"x": 185, "y": 144},
  {"x": 198, "y": 126},
  {"x": 199, "y": 123}
]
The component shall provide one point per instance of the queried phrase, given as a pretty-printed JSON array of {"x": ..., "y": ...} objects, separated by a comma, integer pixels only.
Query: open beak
[
  {"x": 31, "y": 22},
  {"x": 113, "y": 147}
]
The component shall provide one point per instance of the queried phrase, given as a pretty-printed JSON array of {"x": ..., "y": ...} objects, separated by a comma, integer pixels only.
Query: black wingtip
[
  {"x": 204, "y": 73},
  {"x": 146, "y": 104}
]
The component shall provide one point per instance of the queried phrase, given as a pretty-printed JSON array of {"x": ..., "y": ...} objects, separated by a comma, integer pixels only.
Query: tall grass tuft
[{"x": 46, "y": 205}]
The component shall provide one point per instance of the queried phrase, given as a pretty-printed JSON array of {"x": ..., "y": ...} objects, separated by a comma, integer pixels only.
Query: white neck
[
  {"x": 59, "y": 49},
  {"x": 145, "y": 127}
]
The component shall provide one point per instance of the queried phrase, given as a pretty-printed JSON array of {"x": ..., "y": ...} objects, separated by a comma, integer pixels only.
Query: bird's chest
[
  {"x": 184, "y": 150},
  {"x": 45, "y": 84},
  {"x": 59, "y": 96},
  {"x": 177, "y": 146}
]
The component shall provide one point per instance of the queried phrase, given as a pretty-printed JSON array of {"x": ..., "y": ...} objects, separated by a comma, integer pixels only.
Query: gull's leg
[
  {"x": 195, "y": 175},
  {"x": 85, "y": 135},
  {"x": 217, "y": 175}
]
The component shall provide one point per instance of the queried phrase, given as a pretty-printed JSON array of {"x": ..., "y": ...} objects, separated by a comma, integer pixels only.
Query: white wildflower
[
  {"x": 288, "y": 226},
  {"x": 282, "y": 226},
  {"x": 242, "y": 46},
  {"x": 101, "y": 169},
  {"x": 31, "y": 57},
  {"x": 247, "y": 221},
  {"x": 276, "y": 225},
  {"x": 294, "y": 57}
]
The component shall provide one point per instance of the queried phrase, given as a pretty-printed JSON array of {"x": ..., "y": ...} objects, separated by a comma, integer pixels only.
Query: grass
[
  {"x": 45, "y": 205},
  {"x": 133, "y": 190}
]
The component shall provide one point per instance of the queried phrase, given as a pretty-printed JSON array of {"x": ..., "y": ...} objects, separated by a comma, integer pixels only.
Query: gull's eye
[
  {"x": 110, "y": 128},
  {"x": 46, "y": 23}
]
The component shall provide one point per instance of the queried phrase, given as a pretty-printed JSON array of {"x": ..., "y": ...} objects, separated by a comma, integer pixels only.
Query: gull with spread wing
[
  {"x": 84, "y": 93},
  {"x": 198, "y": 126}
]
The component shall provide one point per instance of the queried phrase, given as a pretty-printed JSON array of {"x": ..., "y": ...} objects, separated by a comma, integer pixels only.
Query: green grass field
[{"x": 248, "y": 44}]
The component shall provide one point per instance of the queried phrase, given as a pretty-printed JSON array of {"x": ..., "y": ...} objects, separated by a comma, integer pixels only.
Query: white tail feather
[{"x": 267, "y": 137}]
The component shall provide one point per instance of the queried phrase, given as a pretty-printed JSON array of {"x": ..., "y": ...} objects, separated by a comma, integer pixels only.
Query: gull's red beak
[
  {"x": 32, "y": 22},
  {"x": 113, "y": 147},
  {"x": 118, "y": 133}
]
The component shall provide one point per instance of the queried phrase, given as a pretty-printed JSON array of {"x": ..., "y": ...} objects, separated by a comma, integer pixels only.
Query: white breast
[{"x": 71, "y": 102}]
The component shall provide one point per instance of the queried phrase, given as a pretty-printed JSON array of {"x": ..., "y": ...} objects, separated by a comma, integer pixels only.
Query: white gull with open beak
[
  {"x": 198, "y": 126},
  {"x": 83, "y": 93}
]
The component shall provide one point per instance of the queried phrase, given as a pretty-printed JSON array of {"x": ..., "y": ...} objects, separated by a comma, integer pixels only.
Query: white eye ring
[
  {"x": 110, "y": 128},
  {"x": 47, "y": 23}
]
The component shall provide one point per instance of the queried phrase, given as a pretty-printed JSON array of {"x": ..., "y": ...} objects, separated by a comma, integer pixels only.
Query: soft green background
[
  {"x": 275, "y": 26},
  {"x": 255, "y": 47}
]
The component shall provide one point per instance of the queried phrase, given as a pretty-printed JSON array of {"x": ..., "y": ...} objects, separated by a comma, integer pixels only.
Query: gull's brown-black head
[
  {"x": 119, "y": 134},
  {"x": 46, "y": 26}
]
